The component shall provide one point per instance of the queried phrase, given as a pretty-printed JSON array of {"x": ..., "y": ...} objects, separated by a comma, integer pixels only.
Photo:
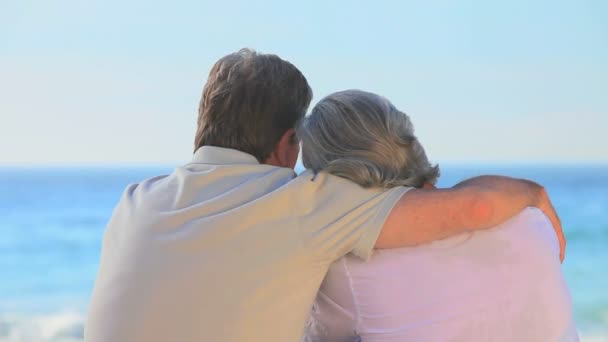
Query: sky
[{"x": 104, "y": 82}]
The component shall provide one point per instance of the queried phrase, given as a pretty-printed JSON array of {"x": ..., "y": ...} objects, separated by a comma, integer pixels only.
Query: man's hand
[
  {"x": 538, "y": 194},
  {"x": 547, "y": 208},
  {"x": 425, "y": 215}
]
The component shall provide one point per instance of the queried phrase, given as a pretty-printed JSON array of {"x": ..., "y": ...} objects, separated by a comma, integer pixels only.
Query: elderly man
[{"x": 233, "y": 246}]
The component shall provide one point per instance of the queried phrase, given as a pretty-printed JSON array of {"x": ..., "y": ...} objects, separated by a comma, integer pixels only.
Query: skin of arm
[{"x": 425, "y": 215}]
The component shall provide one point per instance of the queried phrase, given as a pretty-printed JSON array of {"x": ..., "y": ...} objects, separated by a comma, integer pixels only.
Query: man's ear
[{"x": 285, "y": 153}]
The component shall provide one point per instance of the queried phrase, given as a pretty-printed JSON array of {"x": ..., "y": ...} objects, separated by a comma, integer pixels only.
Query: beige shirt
[{"x": 227, "y": 249}]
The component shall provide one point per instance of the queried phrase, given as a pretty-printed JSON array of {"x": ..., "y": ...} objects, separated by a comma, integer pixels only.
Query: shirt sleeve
[{"x": 341, "y": 217}]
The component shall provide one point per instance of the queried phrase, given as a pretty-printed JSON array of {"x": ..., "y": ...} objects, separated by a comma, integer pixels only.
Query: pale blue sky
[{"x": 107, "y": 81}]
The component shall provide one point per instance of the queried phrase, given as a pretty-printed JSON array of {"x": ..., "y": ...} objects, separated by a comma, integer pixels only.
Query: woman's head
[{"x": 362, "y": 137}]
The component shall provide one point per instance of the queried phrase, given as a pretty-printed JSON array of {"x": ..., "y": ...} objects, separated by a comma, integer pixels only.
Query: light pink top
[{"x": 502, "y": 284}]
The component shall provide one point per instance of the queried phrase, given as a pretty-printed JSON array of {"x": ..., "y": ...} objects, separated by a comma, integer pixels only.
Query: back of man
[
  {"x": 227, "y": 249},
  {"x": 503, "y": 284}
]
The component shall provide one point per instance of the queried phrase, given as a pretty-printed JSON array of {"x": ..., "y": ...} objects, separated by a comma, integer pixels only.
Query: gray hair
[{"x": 362, "y": 137}]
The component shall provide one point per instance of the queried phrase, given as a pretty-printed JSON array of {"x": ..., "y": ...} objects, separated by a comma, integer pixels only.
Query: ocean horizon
[{"x": 52, "y": 220}]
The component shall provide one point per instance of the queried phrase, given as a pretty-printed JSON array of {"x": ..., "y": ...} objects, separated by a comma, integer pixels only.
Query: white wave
[
  {"x": 594, "y": 337},
  {"x": 59, "y": 327}
]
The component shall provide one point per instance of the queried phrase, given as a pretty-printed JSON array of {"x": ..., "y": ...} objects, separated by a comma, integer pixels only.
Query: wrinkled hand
[{"x": 548, "y": 209}]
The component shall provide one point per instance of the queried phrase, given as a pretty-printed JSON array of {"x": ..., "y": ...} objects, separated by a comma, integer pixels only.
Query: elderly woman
[{"x": 503, "y": 284}]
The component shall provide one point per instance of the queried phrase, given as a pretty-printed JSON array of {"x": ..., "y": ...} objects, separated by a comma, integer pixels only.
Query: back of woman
[{"x": 502, "y": 284}]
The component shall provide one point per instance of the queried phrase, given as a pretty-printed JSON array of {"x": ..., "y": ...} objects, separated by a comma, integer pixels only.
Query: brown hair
[{"x": 249, "y": 101}]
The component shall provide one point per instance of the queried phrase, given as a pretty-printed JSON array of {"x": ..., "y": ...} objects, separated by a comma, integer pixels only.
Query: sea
[{"x": 52, "y": 222}]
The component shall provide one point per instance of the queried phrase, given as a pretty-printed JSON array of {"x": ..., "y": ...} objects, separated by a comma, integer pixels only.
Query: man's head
[
  {"x": 362, "y": 137},
  {"x": 252, "y": 103}
]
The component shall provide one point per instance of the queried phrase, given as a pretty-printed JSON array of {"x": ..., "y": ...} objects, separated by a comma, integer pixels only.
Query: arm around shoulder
[{"x": 423, "y": 215}]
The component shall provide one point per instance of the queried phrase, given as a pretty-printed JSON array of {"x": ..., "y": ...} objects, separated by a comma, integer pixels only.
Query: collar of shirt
[{"x": 222, "y": 156}]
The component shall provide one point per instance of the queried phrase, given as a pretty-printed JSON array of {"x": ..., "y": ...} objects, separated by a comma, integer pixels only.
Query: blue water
[{"x": 52, "y": 221}]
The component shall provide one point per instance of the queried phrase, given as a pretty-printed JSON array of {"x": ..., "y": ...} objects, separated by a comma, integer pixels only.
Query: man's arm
[{"x": 478, "y": 203}]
